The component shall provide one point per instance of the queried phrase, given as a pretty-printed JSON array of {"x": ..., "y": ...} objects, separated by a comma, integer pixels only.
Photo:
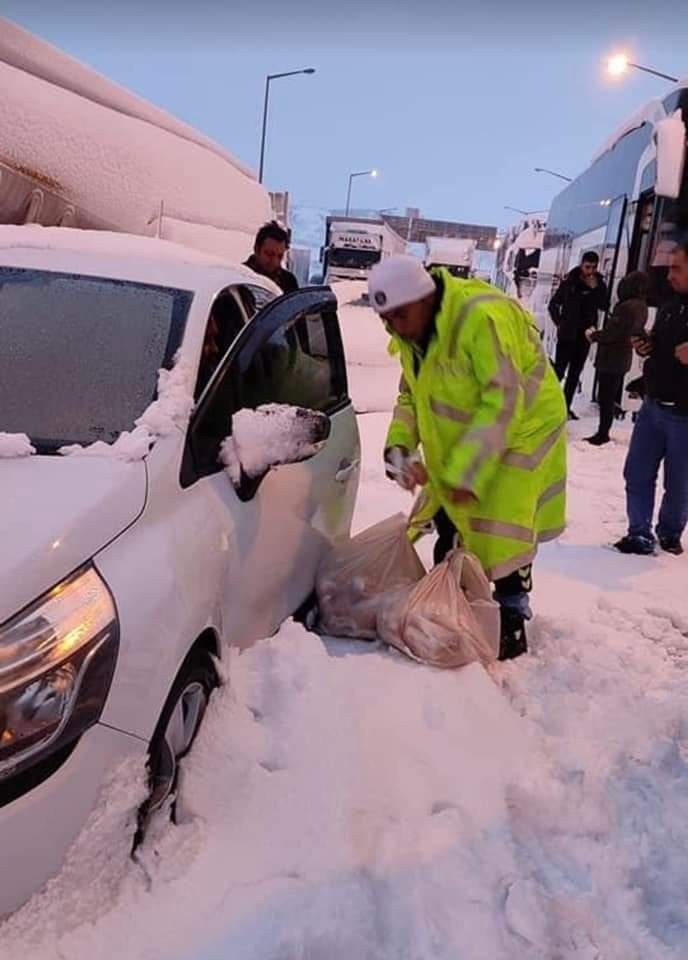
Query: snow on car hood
[{"x": 57, "y": 512}]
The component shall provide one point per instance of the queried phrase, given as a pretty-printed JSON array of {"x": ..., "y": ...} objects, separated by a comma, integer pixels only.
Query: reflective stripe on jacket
[{"x": 488, "y": 410}]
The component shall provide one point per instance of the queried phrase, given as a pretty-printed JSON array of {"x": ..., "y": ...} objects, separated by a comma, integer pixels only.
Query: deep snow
[{"x": 344, "y": 802}]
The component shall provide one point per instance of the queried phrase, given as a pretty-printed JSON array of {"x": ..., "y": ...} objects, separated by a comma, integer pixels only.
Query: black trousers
[
  {"x": 609, "y": 387},
  {"x": 509, "y": 590},
  {"x": 569, "y": 361}
]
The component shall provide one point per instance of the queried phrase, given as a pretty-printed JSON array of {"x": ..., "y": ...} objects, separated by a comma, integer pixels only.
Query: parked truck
[
  {"x": 455, "y": 254},
  {"x": 354, "y": 245},
  {"x": 122, "y": 164}
]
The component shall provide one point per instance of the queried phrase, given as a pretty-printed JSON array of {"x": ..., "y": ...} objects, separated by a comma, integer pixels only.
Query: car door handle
[{"x": 346, "y": 468}]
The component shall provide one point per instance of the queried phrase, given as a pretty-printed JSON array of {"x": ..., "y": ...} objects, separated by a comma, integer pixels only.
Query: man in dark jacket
[
  {"x": 573, "y": 310},
  {"x": 661, "y": 431},
  {"x": 272, "y": 243},
  {"x": 614, "y": 349}
]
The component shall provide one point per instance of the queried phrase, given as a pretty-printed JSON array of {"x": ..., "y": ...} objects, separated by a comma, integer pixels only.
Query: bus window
[
  {"x": 665, "y": 230},
  {"x": 639, "y": 259}
]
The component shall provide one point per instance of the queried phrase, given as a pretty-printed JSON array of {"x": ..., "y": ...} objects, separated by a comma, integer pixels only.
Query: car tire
[{"x": 175, "y": 733}]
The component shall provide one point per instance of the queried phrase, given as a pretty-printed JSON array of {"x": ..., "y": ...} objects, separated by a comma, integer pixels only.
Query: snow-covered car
[{"x": 129, "y": 558}]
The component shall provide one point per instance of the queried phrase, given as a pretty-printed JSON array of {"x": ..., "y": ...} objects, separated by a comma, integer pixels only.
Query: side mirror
[
  {"x": 670, "y": 136},
  {"x": 270, "y": 436}
]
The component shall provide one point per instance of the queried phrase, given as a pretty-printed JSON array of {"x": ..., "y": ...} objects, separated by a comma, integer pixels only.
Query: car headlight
[{"x": 57, "y": 658}]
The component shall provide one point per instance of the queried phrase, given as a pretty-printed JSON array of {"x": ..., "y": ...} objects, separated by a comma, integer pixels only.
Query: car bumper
[{"x": 38, "y": 828}]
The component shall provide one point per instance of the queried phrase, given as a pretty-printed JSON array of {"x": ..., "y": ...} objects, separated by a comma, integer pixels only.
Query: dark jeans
[
  {"x": 660, "y": 435},
  {"x": 569, "y": 361},
  {"x": 609, "y": 386},
  {"x": 511, "y": 591}
]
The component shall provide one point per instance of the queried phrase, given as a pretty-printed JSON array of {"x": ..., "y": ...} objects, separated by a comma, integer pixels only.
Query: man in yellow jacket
[{"x": 478, "y": 394}]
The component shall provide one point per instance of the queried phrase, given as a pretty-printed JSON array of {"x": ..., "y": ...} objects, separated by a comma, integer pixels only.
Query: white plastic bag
[
  {"x": 448, "y": 619},
  {"x": 357, "y": 574}
]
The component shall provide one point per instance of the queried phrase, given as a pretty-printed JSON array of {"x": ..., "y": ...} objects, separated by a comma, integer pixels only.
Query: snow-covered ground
[{"x": 343, "y": 802}]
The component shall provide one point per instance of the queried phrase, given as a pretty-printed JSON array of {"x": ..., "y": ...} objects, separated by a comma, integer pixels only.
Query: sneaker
[
  {"x": 572, "y": 415},
  {"x": 597, "y": 440},
  {"x": 641, "y": 546},
  {"x": 513, "y": 640},
  {"x": 671, "y": 545}
]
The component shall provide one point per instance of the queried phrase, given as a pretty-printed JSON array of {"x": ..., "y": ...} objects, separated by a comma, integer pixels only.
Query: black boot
[
  {"x": 513, "y": 640},
  {"x": 671, "y": 545}
]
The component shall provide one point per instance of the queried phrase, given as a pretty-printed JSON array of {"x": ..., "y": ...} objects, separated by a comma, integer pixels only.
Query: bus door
[{"x": 609, "y": 258}]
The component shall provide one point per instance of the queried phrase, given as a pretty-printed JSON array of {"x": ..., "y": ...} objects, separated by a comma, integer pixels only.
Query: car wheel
[{"x": 175, "y": 733}]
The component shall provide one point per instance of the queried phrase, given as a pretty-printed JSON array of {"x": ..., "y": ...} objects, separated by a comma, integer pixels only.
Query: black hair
[
  {"x": 590, "y": 256},
  {"x": 682, "y": 243},
  {"x": 271, "y": 231}
]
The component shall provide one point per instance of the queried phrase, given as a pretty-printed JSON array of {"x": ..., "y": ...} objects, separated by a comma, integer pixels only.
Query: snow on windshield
[
  {"x": 170, "y": 411},
  {"x": 267, "y": 436},
  {"x": 15, "y": 445}
]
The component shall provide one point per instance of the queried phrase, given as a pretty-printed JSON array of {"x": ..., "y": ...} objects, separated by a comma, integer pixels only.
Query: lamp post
[
  {"x": 268, "y": 79},
  {"x": 360, "y": 173},
  {"x": 553, "y": 173},
  {"x": 620, "y": 64},
  {"x": 525, "y": 213}
]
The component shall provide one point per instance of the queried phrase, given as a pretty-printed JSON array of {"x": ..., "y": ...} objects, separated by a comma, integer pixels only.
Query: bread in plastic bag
[
  {"x": 357, "y": 573},
  {"x": 447, "y": 620}
]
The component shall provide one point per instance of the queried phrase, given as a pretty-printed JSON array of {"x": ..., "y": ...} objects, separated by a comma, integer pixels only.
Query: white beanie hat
[{"x": 398, "y": 280}]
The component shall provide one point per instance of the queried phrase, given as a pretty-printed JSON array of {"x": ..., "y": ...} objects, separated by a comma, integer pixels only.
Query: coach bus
[{"x": 629, "y": 205}]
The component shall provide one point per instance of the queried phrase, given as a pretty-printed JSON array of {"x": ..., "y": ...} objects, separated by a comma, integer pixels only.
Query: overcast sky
[{"x": 455, "y": 103}]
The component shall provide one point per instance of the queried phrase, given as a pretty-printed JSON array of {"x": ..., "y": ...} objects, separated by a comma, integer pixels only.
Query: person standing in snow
[
  {"x": 573, "y": 310},
  {"x": 660, "y": 435},
  {"x": 479, "y": 395},
  {"x": 614, "y": 349},
  {"x": 269, "y": 250}
]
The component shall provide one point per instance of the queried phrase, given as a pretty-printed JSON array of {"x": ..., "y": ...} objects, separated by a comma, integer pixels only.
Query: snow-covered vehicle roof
[
  {"x": 128, "y": 164},
  {"x": 143, "y": 259},
  {"x": 651, "y": 112}
]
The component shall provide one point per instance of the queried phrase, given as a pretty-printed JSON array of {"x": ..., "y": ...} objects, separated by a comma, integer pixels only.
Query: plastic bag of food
[
  {"x": 357, "y": 573},
  {"x": 448, "y": 619}
]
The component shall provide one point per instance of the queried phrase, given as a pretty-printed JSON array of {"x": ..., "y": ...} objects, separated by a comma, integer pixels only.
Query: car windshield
[
  {"x": 79, "y": 355},
  {"x": 347, "y": 257}
]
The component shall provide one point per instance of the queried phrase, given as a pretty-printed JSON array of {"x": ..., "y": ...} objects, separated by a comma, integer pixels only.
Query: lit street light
[
  {"x": 553, "y": 173},
  {"x": 273, "y": 76},
  {"x": 620, "y": 64},
  {"x": 361, "y": 173}
]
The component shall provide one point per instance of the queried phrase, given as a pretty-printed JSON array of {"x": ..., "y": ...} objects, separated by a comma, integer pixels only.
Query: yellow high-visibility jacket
[{"x": 486, "y": 407}]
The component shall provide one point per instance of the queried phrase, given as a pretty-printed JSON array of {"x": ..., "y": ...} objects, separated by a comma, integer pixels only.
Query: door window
[
  {"x": 299, "y": 362},
  {"x": 297, "y": 365}
]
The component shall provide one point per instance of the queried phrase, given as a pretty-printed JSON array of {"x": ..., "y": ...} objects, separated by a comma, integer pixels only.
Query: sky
[{"x": 454, "y": 103}]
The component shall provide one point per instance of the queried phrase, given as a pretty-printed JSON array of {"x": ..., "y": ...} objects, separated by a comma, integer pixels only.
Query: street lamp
[
  {"x": 361, "y": 173},
  {"x": 620, "y": 64},
  {"x": 273, "y": 76},
  {"x": 553, "y": 173},
  {"x": 525, "y": 213}
]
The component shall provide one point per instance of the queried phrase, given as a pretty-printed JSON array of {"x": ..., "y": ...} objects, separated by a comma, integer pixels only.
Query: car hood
[{"x": 55, "y": 514}]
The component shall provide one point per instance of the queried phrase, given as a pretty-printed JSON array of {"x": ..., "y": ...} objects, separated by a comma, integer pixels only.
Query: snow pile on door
[{"x": 271, "y": 434}]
